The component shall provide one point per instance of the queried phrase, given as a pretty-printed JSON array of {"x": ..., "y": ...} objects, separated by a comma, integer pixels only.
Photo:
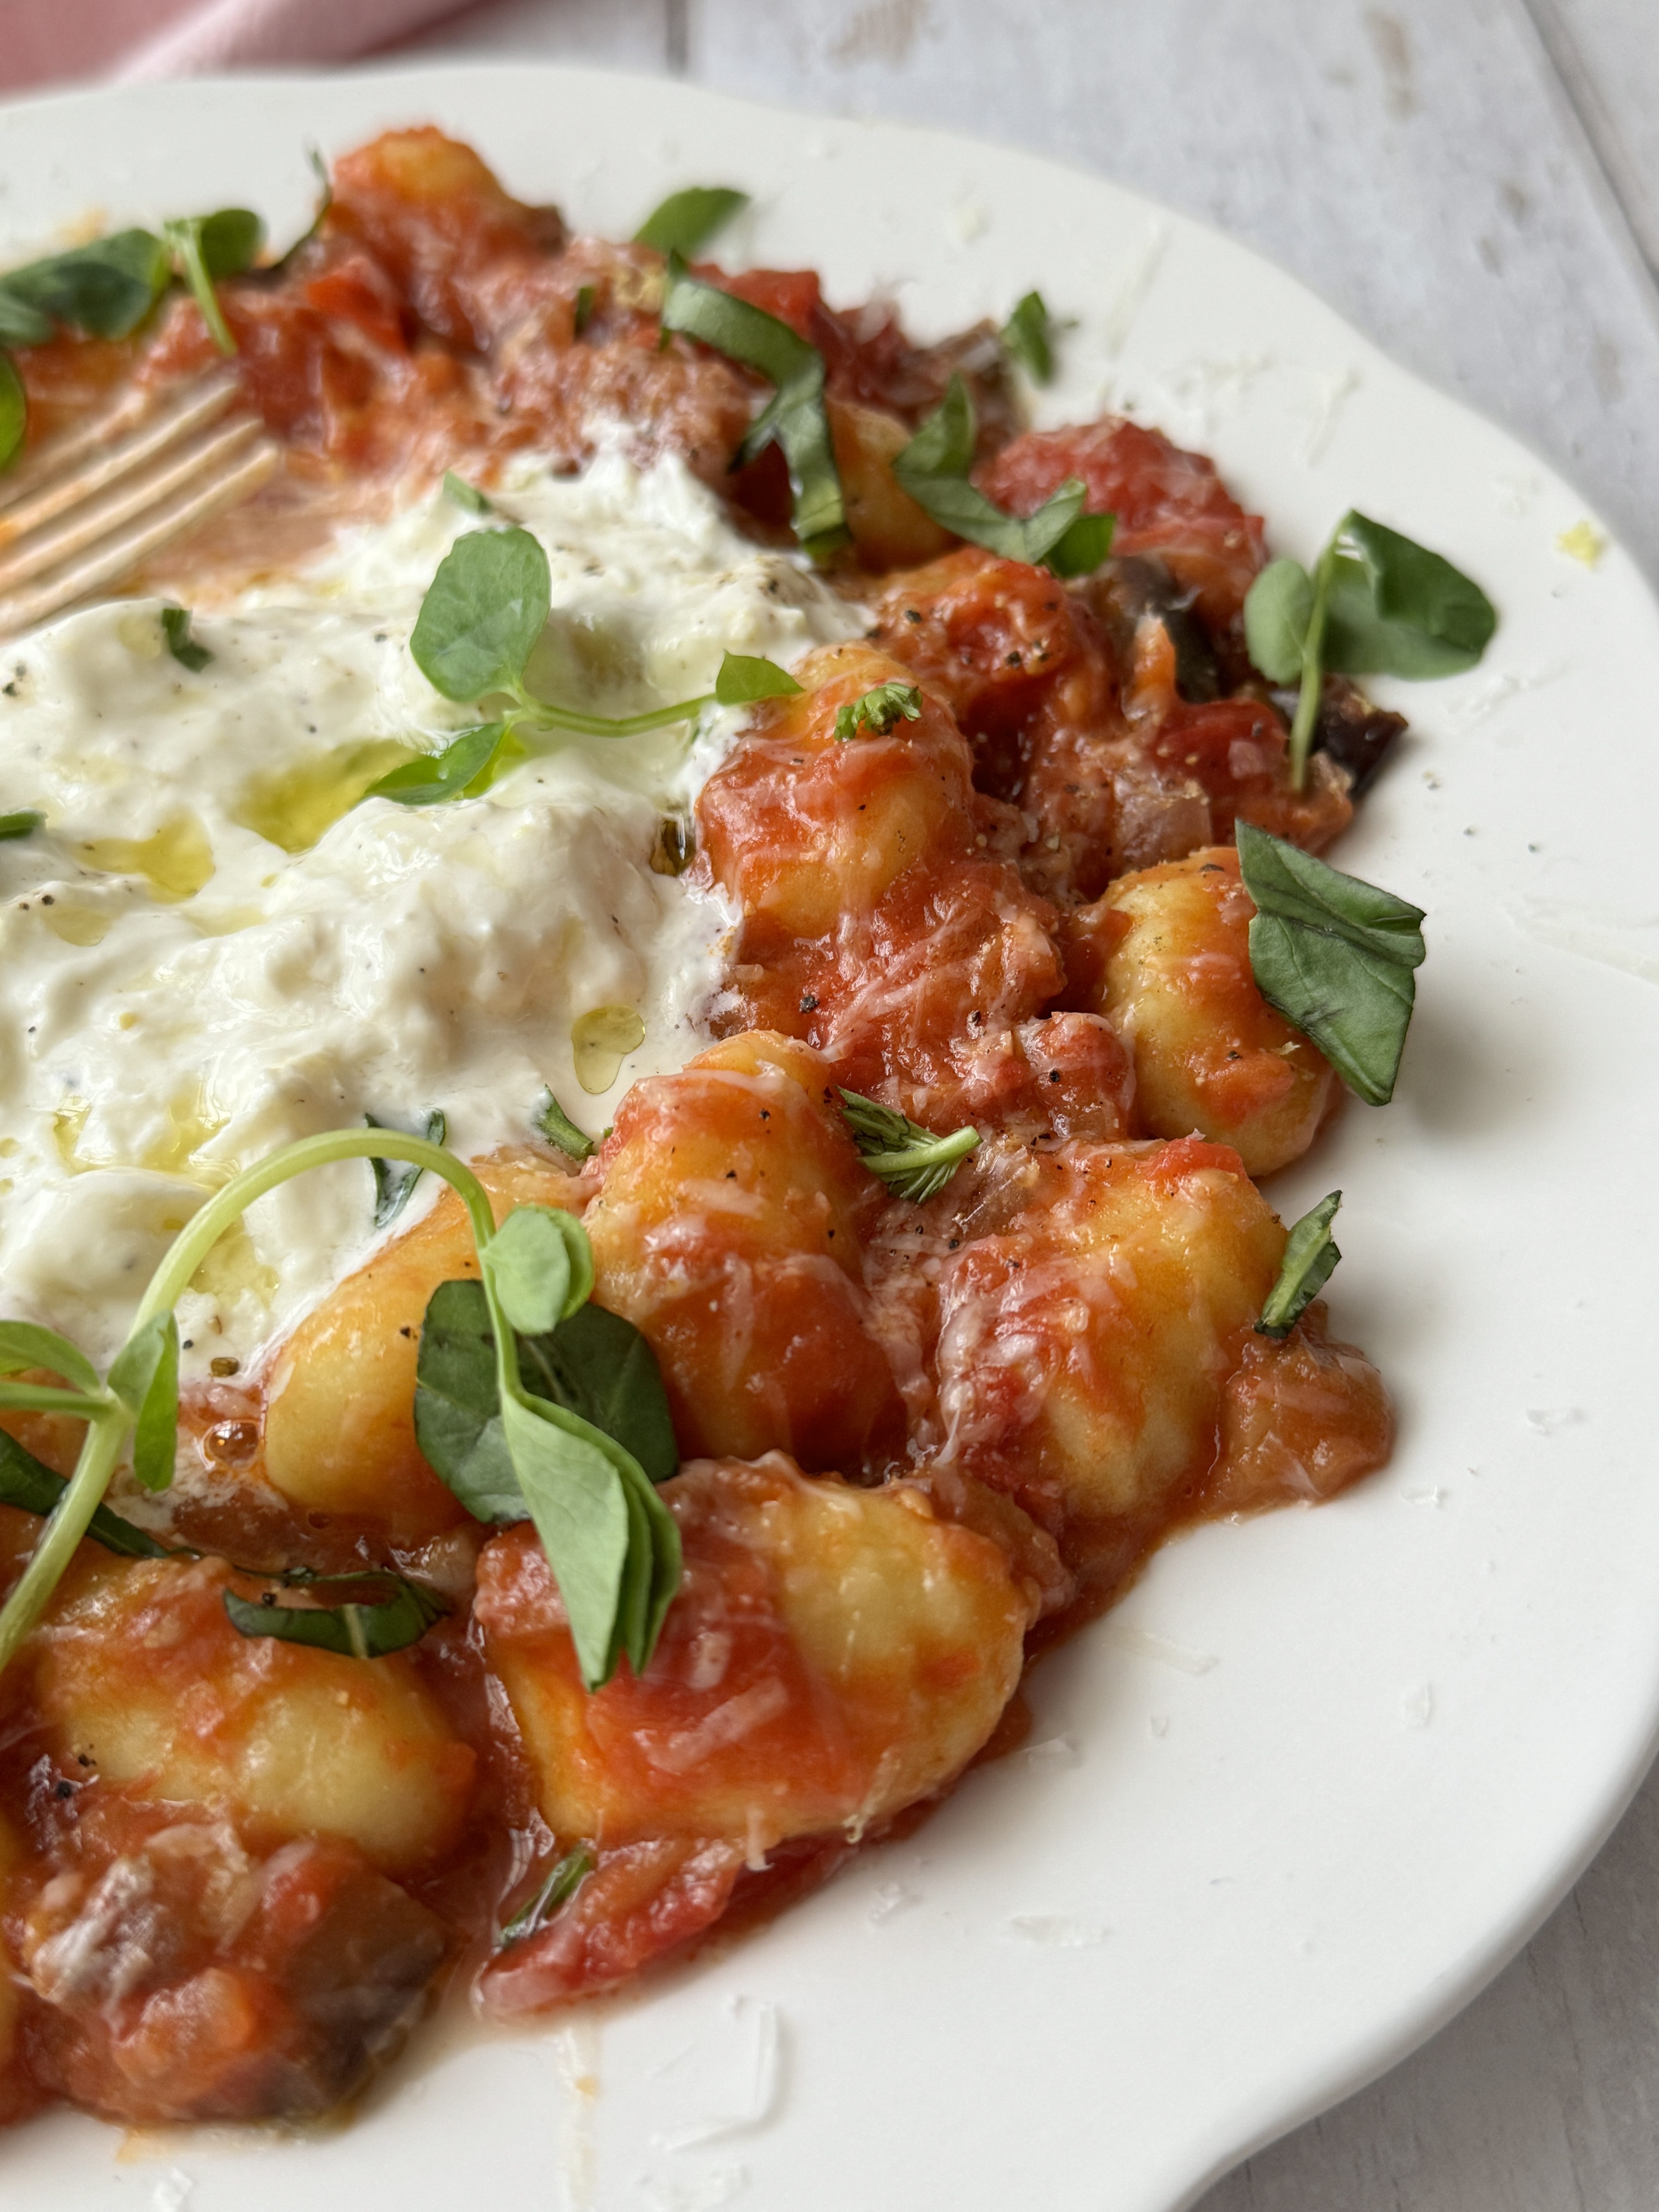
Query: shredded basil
[
  {"x": 393, "y": 1185},
  {"x": 686, "y": 220},
  {"x": 879, "y": 710},
  {"x": 1310, "y": 1255},
  {"x": 1028, "y": 339},
  {"x": 354, "y": 1631},
  {"x": 461, "y": 494},
  {"x": 33, "y": 1488},
  {"x": 933, "y": 469},
  {"x": 565, "y": 1877},
  {"x": 910, "y": 1160},
  {"x": 187, "y": 651},
  {"x": 796, "y": 418},
  {"x": 582, "y": 315},
  {"x": 1335, "y": 956}
]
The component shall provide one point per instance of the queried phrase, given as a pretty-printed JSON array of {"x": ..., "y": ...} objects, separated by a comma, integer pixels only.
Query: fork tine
[
  {"x": 95, "y": 456},
  {"x": 152, "y": 528},
  {"x": 127, "y": 499}
]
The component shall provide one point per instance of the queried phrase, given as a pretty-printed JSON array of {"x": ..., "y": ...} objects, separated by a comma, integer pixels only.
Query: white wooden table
[{"x": 1476, "y": 184}]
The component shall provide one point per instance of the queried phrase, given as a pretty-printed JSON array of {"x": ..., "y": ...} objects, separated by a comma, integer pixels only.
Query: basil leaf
[
  {"x": 106, "y": 289},
  {"x": 910, "y": 1160},
  {"x": 144, "y": 1376},
  {"x": 458, "y": 1405},
  {"x": 1335, "y": 956},
  {"x": 1027, "y": 337},
  {"x": 355, "y": 1631},
  {"x": 1310, "y": 1255},
  {"x": 745, "y": 678},
  {"x": 24, "y": 1344},
  {"x": 22, "y": 824},
  {"x": 14, "y": 411},
  {"x": 551, "y": 1120},
  {"x": 933, "y": 470},
  {"x": 540, "y": 1266},
  {"x": 20, "y": 323},
  {"x": 689, "y": 219},
  {"x": 185, "y": 649},
  {"x": 33, "y": 1488},
  {"x": 564, "y": 1879},
  {"x": 1082, "y": 546},
  {"x": 395, "y": 1179},
  {"x": 579, "y": 1502},
  {"x": 878, "y": 710},
  {"x": 796, "y": 417},
  {"x": 482, "y": 613},
  {"x": 443, "y": 775},
  {"x": 461, "y": 494},
  {"x": 1397, "y": 609},
  {"x": 1277, "y": 610},
  {"x": 597, "y": 1364}
]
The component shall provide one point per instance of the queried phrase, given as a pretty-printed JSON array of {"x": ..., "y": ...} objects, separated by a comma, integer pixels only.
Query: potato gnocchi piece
[
  {"x": 883, "y": 920},
  {"x": 339, "y": 1426},
  {"x": 1085, "y": 1337},
  {"x": 1165, "y": 957},
  {"x": 834, "y": 1655},
  {"x": 728, "y": 1230},
  {"x": 139, "y": 1673},
  {"x": 175, "y": 1976}
]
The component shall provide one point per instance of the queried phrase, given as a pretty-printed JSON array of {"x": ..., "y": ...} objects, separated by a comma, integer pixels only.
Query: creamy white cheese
[{"x": 197, "y": 963}]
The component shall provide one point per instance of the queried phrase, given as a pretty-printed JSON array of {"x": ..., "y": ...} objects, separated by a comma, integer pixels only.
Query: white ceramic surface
[{"x": 1292, "y": 1803}]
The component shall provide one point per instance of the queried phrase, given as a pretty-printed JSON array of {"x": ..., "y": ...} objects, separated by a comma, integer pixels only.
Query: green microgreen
[
  {"x": 686, "y": 220},
  {"x": 186, "y": 650},
  {"x": 1310, "y": 1254},
  {"x": 610, "y": 1541},
  {"x": 353, "y": 1629},
  {"x": 910, "y": 1160},
  {"x": 795, "y": 418},
  {"x": 564, "y": 1878},
  {"x": 14, "y": 411},
  {"x": 204, "y": 248},
  {"x": 478, "y": 624},
  {"x": 1336, "y": 956},
  {"x": 551, "y": 1120},
  {"x": 582, "y": 314},
  {"x": 24, "y": 823},
  {"x": 1375, "y": 604},
  {"x": 1028, "y": 337},
  {"x": 577, "y": 1445},
  {"x": 879, "y": 710},
  {"x": 933, "y": 469},
  {"x": 393, "y": 1186}
]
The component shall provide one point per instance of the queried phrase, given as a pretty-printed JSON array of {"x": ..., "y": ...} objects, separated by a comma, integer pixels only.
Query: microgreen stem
[
  {"x": 186, "y": 239},
  {"x": 107, "y": 1427},
  {"x": 1313, "y": 668},
  {"x": 533, "y": 714}
]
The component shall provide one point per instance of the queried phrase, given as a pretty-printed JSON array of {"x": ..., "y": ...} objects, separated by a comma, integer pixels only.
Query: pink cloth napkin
[{"x": 49, "y": 42}]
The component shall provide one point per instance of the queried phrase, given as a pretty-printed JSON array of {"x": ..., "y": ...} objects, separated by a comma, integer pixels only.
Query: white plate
[{"x": 1293, "y": 1803}]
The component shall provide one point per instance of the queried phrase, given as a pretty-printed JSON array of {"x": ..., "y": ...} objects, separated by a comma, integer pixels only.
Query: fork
[{"x": 91, "y": 504}]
